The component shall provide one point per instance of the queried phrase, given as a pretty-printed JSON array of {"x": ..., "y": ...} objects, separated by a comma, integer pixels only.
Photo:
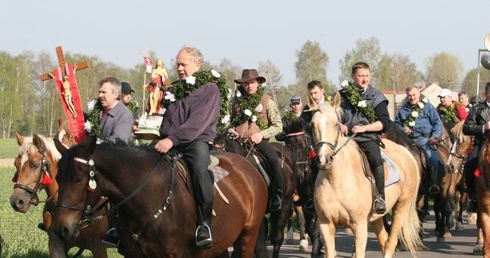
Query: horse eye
[{"x": 34, "y": 165}]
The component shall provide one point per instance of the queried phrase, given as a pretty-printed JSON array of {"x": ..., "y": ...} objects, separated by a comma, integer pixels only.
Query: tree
[
  {"x": 469, "y": 82},
  {"x": 445, "y": 69},
  {"x": 273, "y": 76},
  {"x": 230, "y": 71},
  {"x": 311, "y": 65},
  {"x": 367, "y": 51},
  {"x": 396, "y": 72}
]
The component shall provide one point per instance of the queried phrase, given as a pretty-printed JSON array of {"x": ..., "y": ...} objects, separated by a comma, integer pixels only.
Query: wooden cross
[{"x": 66, "y": 84}]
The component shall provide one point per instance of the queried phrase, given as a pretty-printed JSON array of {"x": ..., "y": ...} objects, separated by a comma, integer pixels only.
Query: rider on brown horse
[{"x": 255, "y": 117}]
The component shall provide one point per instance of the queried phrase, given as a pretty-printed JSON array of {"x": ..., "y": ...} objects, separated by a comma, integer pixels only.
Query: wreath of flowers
[
  {"x": 290, "y": 115},
  {"x": 133, "y": 106},
  {"x": 352, "y": 94},
  {"x": 250, "y": 108},
  {"x": 447, "y": 114},
  {"x": 92, "y": 125},
  {"x": 182, "y": 88},
  {"x": 416, "y": 110}
]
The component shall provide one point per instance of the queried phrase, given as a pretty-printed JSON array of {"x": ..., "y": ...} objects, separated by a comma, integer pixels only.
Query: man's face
[
  {"x": 362, "y": 78},
  {"x": 250, "y": 87},
  {"x": 296, "y": 107},
  {"x": 126, "y": 98},
  {"x": 107, "y": 97},
  {"x": 316, "y": 93},
  {"x": 186, "y": 65},
  {"x": 463, "y": 98},
  {"x": 446, "y": 101},
  {"x": 413, "y": 96}
]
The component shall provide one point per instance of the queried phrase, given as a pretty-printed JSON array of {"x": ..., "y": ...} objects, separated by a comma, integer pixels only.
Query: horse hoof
[
  {"x": 441, "y": 240},
  {"x": 448, "y": 234},
  {"x": 303, "y": 245},
  {"x": 478, "y": 250},
  {"x": 472, "y": 218},
  {"x": 459, "y": 226}
]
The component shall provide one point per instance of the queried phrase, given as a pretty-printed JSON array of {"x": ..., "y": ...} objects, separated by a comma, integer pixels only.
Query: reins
[{"x": 335, "y": 147}]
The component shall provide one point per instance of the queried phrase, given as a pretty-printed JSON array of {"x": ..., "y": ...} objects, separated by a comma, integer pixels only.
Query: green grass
[
  {"x": 19, "y": 231},
  {"x": 9, "y": 148}
]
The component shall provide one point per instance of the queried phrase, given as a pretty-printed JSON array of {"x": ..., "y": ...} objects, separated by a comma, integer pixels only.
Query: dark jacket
[
  {"x": 474, "y": 123},
  {"x": 193, "y": 118}
]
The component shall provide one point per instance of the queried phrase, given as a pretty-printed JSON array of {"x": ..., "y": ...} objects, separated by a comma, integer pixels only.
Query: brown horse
[
  {"x": 483, "y": 196},
  {"x": 36, "y": 169},
  {"x": 344, "y": 195},
  {"x": 154, "y": 200},
  {"x": 278, "y": 219}
]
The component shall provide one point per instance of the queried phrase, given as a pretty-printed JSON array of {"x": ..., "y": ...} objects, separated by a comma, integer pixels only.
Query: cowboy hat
[{"x": 248, "y": 75}]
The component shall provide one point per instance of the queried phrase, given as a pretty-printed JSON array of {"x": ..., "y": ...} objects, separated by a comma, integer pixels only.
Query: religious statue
[
  {"x": 159, "y": 79},
  {"x": 68, "y": 96}
]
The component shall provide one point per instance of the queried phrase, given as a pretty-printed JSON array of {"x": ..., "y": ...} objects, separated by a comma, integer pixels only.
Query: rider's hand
[
  {"x": 433, "y": 141},
  {"x": 164, "y": 145},
  {"x": 256, "y": 138}
]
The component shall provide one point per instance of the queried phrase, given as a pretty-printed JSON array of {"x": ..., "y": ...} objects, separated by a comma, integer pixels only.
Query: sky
[{"x": 245, "y": 32}]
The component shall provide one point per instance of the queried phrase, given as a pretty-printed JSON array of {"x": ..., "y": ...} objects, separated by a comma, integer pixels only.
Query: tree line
[{"x": 29, "y": 105}]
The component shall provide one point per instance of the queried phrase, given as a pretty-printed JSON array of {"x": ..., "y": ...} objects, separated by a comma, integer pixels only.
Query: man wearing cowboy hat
[{"x": 255, "y": 117}]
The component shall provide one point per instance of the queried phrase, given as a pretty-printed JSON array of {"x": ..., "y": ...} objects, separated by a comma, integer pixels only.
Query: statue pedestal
[{"x": 149, "y": 126}]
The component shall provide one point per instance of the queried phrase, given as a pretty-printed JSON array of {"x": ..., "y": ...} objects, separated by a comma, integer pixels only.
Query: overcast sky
[{"x": 246, "y": 32}]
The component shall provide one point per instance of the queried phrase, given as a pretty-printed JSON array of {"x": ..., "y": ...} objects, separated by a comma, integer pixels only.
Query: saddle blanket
[{"x": 393, "y": 175}]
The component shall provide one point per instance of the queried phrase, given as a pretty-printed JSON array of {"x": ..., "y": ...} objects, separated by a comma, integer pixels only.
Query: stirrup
[
  {"x": 309, "y": 207},
  {"x": 111, "y": 238},
  {"x": 379, "y": 206},
  {"x": 207, "y": 241},
  {"x": 434, "y": 189},
  {"x": 276, "y": 203}
]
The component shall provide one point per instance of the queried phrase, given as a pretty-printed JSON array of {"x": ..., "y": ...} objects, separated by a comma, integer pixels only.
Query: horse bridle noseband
[
  {"x": 45, "y": 168},
  {"x": 335, "y": 147}
]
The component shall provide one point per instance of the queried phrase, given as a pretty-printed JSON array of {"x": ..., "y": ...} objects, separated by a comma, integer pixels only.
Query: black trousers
[
  {"x": 472, "y": 162},
  {"x": 373, "y": 153},
  {"x": 196, "y": 156},
  {"x": 266, "y": 149}
]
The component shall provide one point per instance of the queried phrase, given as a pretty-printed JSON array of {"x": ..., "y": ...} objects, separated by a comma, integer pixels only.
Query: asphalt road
[{"x": 459, "y": 245}]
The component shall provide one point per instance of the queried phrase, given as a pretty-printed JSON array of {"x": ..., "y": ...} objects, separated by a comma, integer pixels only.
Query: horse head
[
  {"x": 77, "y": 193},
  {"x": 459, "y": 150},
  {"x": 326, "y": 131},
  {"x": 35, "y": 168}
]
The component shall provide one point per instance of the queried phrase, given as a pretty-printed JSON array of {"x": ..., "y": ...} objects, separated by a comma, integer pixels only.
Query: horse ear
[
  {"x": 36, "y": 140},
  {"x": 336, "y": 100},
  {"x": 92, "y": 144},
  {"x": 19, "y": 137},
  {"x": 59, "y": 146}
]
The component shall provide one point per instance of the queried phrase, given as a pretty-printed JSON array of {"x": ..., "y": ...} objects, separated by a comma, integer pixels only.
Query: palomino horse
[
  {"x": 36, "y": 169},
  {"x": 300, "y": 143},
  {"x": 154, "y": 200},
  {"x": 278, "y": 219},
  {"x": 344, "y": 195}
]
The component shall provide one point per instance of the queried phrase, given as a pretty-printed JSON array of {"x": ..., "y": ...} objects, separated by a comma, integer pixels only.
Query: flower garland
[
  {"x": 182, "y": 88},
  {"x": 250, "y": 108},
  {"x": 416, "y": 110},
  {"x": 352, "y": 94},
  {"x": 133, "y": 106},
  {"x": 290, "y": 115},
  {"x": 92, "y": 125},
  {"x": 447, "y": 114}
]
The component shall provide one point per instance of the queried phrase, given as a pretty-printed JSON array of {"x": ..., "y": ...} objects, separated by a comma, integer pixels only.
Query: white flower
[
  {"x": 238, "y": 94},
  {"x": 344, "y": 83},
  {"x": 229, "y": 93},
  {"x": 225, "y": 119},
  {"x": 259, "y": 108},
  {"x": 91, "y": 105},
  {"x": 215, "y": 73},
  {"x": 190, "y": 80},
  {"x": 421, "y": 105},
  {"x": 415, "y": 113},
  {"x": 254, "y": 118},
  {"x": 170, "y": 96},
  {"x": 87, "y": 126},
  {"x": 411, "y": 123},
  {"x": 247, "y": 112},
  {"x": 362, "y": 104}
]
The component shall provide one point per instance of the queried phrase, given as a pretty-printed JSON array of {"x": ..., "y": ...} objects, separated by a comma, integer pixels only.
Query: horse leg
[
  {"x": 260, "y": 250},
  {"x": 327, "y": 231},
  {"x": 57, "y": 247},
  {"x": 380, "y": 232},
  {"x": 314, "y": 234},
  {"x": 303, "y": 241},
  {"x": 360, "y": 238},
  {"x": 478, "y": 249},
  {"x": 278, "y": 220}
]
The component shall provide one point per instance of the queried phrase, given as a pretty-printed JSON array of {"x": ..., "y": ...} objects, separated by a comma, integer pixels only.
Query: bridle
[
  {"x": 454, "y": 153},
  {"x": 304, "y": 137},
  {"x": 334, "y": 146},
  {"x": 45, "y": 168},
  {"x": 89, "y": 212}
]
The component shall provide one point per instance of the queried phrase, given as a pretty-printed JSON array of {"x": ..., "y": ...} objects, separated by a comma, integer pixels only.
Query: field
[{"x": 21, "y": 237}]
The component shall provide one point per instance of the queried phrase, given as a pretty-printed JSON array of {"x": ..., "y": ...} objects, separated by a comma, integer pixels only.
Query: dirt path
[{"x": 7, "y": 162}]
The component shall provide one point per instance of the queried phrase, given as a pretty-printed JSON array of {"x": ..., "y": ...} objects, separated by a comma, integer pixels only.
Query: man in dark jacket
[
  {"x": 189, "y": 126},
  {"x": 478, "y": 124}
]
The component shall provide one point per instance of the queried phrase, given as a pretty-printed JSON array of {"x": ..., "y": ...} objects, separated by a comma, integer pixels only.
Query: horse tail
[{"x": 409, "y": 234}]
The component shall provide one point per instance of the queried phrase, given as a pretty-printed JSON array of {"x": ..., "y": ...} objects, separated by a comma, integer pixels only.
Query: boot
[
  {"x": 434, "y": 188},
  {"x": 111, "y": 238},
  {"x": 204, "y": 238},
  {"x": 276, "y": 201},
  {"x": 309, "y": 206},
  {"x": 379, "y": 202},
  {"x": 472, "y": 204}
]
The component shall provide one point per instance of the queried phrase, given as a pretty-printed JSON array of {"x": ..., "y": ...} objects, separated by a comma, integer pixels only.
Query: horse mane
[
  {"x": 28, "y": 146},
  {"x": 458, "y": 131},
  {"x": 395, "y": 134}
]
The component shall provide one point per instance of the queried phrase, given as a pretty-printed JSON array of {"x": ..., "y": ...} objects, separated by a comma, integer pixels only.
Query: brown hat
[{"x": 250, "y": 74}]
